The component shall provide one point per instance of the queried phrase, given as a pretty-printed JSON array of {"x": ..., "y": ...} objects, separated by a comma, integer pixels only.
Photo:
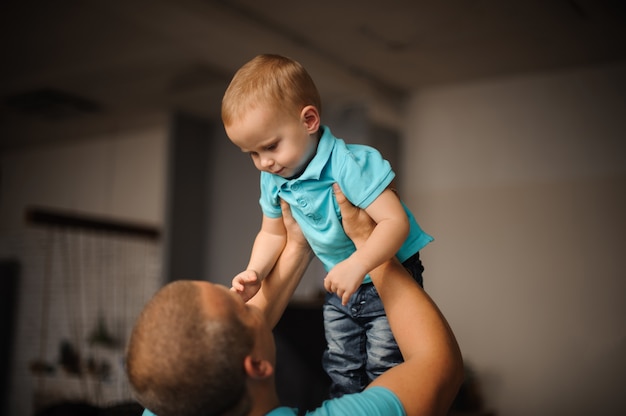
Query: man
[{"x": 197, "y": 349}]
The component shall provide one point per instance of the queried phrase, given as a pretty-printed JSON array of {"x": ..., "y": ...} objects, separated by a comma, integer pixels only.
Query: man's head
[{"x": 194, "y": 348}]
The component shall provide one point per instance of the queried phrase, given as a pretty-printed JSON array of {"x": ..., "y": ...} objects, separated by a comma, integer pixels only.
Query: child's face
[{"x": 278, "y": 143}]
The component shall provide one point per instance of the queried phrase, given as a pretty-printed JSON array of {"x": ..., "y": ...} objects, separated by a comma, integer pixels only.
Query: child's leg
[
  {"x": 383, "y": 352},
  {"x": 344, "y": 358}
]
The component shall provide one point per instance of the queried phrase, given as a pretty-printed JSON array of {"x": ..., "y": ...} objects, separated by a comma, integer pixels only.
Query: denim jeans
[{"x": 360, "y": 345}]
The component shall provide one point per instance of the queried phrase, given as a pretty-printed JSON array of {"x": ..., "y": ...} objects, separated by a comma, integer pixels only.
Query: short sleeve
[
  {"x": 269, "y": 201},
  {"x": 363, "y": 174},
  {"x": 374, "y": 401}
]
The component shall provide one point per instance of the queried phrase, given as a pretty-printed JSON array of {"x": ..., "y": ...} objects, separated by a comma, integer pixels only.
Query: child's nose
[{"x": 267, "y": 162}]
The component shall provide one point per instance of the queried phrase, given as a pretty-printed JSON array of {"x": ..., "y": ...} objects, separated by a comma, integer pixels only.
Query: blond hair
[{"x": 269, "y": 80}]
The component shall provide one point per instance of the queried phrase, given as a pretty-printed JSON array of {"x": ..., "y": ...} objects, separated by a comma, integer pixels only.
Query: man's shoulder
[
  {"x": 283, "y": 411},
  {"x": 375, "y": 401}
]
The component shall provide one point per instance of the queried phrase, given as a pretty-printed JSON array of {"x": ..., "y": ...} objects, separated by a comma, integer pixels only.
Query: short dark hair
[{"x": 181, "y": 361}]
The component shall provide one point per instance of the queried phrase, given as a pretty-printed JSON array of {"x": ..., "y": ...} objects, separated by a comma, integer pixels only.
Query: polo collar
[{"x": 313, "y": 171}]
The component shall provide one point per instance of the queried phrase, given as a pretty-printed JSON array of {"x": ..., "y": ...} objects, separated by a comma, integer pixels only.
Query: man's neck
[{"x": 264, "y": 397}]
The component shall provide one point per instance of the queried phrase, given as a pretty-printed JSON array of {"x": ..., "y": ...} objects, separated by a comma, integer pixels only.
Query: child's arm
[
  {"x": 392, "y": 229},
  {"x": 279, "y": 285},
  {"x": 268, "y": 245}
]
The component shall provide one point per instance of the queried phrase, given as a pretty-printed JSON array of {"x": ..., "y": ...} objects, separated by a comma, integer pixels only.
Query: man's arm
[
  {"x": 279, "y": 285},
  {"x": 429, "y": 378}
]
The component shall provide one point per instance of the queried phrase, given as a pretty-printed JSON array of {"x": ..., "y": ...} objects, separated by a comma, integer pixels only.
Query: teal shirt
[
  {"x": 362, "y": 175},
  {"x": 375, "y": 401}
]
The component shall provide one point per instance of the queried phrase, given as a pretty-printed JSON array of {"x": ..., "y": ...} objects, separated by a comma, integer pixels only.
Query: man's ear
[
  {"x": 257, "y": 369},
  {"x": 311, "y": 118}
]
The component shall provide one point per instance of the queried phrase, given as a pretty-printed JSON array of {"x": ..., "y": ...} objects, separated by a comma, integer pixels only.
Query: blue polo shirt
[
  {"x": 374, "y": 401},
  {"x": 362, "y": 175}
]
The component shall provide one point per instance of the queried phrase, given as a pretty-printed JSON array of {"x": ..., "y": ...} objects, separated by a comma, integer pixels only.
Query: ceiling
[{"x": 72, "y": 67}]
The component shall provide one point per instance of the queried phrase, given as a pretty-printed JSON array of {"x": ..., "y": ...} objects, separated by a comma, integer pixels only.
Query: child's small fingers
[
  {"x": 250, "y": 279},
  {"x": 327, "y": 285},
  {"x": 345, "y": 298}
]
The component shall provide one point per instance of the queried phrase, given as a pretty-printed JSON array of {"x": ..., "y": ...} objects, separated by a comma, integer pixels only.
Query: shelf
[{"x": 68, "y": 219}]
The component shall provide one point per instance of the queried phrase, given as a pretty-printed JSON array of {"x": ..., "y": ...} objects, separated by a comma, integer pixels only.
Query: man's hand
[
  {"x": 294, "y": 233},
  {"x": 246, "y": 284},
  {"x": 356, "y": 223}
]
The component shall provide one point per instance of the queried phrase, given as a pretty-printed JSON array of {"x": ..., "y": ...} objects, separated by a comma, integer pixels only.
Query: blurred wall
[
  {"x": 73, "y": 279},
  {"x": 111, "y": 175},
  {"x": 522, "y": 182}
]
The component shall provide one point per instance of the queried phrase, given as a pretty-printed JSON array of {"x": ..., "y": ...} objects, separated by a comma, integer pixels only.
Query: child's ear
[{"x": 311, "y": 118}]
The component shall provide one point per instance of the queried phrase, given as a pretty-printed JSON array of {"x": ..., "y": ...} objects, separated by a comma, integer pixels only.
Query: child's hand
[
  {"x": 246, "y": 284},
  {"x": 344, "y": 279}
]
